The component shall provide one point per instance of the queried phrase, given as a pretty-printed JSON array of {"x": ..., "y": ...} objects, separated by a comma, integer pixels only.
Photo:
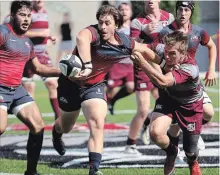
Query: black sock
[
  {"x": 94, "y": 160},
  {"x": 171, "y": 149},
  {"x": 173, "y": 140},
  {"x": 131, "y": 141},
  {"x": 204, "y": 121},
  {"x": 34, "y": 146},
  {"x": 147, "y": 121},
  {"x": 121, "y": 93},
  {"x": 55, "y": 134}
]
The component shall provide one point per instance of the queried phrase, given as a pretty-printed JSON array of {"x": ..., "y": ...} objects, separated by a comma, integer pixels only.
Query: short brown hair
[
  {"x": 177, "y": 37},
  {"x": 110, "y": 10}
]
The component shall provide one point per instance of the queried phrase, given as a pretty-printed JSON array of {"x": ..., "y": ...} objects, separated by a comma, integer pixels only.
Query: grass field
[{"x": 18, "y": 166}]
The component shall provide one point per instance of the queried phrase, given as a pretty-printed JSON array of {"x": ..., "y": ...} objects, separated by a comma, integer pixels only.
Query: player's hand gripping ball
[{"x": 70, "y": 65}]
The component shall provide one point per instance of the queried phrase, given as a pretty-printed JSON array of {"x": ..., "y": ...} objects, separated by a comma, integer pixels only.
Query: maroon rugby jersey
[
  {"x": 139, "y": 24},
  {"x": 186, "y": 88},
  {"x": 15, "y": 51},
  {"x": 39, "y": 22},
  {"x": 105, "y": 55},
  {"x": 196, "y": 34}
]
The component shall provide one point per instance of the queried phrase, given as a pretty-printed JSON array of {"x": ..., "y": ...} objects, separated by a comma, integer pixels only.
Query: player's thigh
[
  {"x": 95, "y": 111},
  {"x": 155, "y": 93},
  {"x": 3, "y": 118},
  {"x": 94, "y": 105},
  {"x": 68, "y": 119},
  {"x": 159, "y": 123},
  {"x": 143, "y": 100},
  {"x": 68, "y": 95}
]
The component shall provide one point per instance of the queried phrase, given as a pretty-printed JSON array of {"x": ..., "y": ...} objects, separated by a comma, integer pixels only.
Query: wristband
[
  {"x": 162, "y": 63},
  {"x": 88, "y": 65}
]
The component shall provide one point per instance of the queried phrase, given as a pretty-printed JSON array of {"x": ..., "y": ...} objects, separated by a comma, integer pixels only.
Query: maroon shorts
[
  {"x": 188, "y": 116},
  {"x": 119, "y": 74},
  {"x": 142, "y": 81},
  {"x": 43, "y": 58}
]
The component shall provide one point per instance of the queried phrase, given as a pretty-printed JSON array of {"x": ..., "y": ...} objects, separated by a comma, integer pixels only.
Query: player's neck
[
  {"x": 126, "y": 23},
  {"x": 153, "y": 13},
  {"x": 184, "y": 27}
]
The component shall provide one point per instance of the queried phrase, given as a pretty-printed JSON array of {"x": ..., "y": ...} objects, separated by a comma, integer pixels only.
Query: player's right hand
[
  {"x": 82, "y": 75},
  {"x": 152, "y": 26}
]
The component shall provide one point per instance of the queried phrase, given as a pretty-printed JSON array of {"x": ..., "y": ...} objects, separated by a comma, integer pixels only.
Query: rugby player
[
  {"x": 15, "y": 51},
  {"x": 150, "y": 22},
  {"x": 99, "y": 47},
  {"x": 197, "y": 35},
  {"x": 180, "y": 99}
]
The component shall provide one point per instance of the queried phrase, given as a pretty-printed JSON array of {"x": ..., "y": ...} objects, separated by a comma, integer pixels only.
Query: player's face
[
  {"x": 172, "y": 55},
  {"x": 38, "y": 4},
  {"x": 22, "y": 20},
  {"x": 151, "y": 4},
  {"x": 183, "y": 14},
  {"x": 126, "y": 11},
  {"x": 107, "y": 26}
]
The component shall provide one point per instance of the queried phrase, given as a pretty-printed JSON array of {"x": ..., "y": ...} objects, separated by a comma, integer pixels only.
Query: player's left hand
[
  {"x": 210, "y": 78},
  {"x": 137, "y": 58},
  {"x": 53, "y": 39}
]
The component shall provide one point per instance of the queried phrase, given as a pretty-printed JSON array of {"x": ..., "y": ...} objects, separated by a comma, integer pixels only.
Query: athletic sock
[
  {"x": 55, "y": 105},
  {"x": 121, "y": 94},
  {"x": 94, "y": 160},
  {"x": 173, "y": 140},
  {"x": 34, "y": 146},
  {"x": 171, "y": 149},
  {"x": 131, "y": 141}
]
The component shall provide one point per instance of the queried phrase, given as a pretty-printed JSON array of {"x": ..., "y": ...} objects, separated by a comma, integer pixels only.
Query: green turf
[{"x": 18, "y": 166}]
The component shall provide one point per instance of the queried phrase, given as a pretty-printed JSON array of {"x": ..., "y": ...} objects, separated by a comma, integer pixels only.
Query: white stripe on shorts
[{"x": 16, "y": 109}]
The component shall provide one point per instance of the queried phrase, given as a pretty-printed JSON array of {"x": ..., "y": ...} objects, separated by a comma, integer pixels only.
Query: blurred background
[{"x": 82, "y": 14}]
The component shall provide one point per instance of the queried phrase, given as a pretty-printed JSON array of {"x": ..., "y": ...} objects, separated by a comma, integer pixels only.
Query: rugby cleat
[
  {"x": 169, "y": 168},
  {"x": 58, "y": 143},
  {"x": 145, "y": 134},
  {"x": 131, "y": 149},
  {"x": 194, "y": 168}
]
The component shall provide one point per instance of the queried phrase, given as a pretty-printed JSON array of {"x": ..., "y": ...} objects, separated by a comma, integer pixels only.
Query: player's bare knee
[
  {"x": 51, "y": 85},
  {"x": 96, "y": 124},
  {"x": 38, "y": 127},
  {"x": 208, "y": 112},
  {"x": 2, "y": 130},
  {"x": 156, "y": 135}
]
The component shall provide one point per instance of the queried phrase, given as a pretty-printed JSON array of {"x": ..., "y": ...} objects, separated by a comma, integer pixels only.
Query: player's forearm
[
  {"x": 148, "y": 54},
  {"x": 46, "y": 71},
  {"x": 84, "y": 48},
  {"x": 32, "y": 34},
  {"x": 156, "y": 76},
  {"x": 212, "y": 58}
]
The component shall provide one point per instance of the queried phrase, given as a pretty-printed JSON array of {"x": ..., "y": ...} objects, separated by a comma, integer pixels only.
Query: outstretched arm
[
  {"x": 156, "y": 76},
  {"x": 43, "y": 70},
  {"x": 148, "y": 54}
]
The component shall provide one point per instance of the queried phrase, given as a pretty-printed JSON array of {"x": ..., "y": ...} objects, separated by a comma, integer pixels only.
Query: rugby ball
[{"x": 70, "y": 65}]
